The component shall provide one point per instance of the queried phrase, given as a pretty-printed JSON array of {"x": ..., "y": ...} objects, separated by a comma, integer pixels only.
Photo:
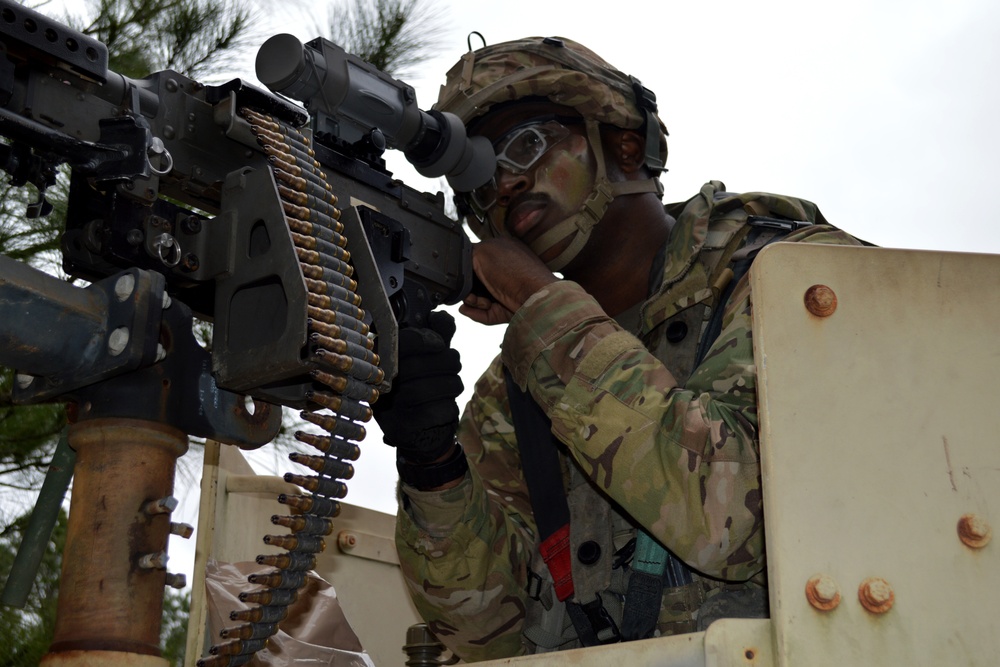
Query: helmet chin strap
[{"x": 580, "y": 224}]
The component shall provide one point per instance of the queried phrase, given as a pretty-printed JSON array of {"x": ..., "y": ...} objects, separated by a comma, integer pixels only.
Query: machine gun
[{"x": 230, "y": 203}]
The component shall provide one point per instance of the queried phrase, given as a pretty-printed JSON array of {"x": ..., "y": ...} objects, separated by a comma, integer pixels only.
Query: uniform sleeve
[
  {"x": 465, "y": 552},
  {"x": 682, "y": 460}
]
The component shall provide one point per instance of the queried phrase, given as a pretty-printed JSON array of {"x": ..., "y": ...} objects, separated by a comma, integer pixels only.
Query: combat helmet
[{"x": 571, "y": 75}]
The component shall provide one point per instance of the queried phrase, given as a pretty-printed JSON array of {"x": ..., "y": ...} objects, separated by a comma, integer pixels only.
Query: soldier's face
[{"x": 530, "y": 201}]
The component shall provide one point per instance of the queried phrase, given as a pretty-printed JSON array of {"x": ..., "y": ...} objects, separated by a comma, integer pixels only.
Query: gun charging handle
[{"x": 351, "y": 98}]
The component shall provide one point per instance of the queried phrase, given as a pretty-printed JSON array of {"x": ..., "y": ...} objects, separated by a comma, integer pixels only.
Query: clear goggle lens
[{"x": 517, "y": 152}]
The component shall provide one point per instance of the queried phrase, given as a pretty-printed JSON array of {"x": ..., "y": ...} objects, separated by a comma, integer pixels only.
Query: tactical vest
[{"x": 677, "y": 324}]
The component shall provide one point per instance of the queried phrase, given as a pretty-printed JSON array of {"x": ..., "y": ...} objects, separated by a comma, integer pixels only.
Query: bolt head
[
  {"x": 974, "y": 531},
  {"x": 118, "y": 341},
  {"x": 347, "y": 540},
  {"x": 820, "y": 300},
  {"x": 124, "y": 287},
  {"x": 822, "y": 592},
  {"x": 875, "y": 595}
]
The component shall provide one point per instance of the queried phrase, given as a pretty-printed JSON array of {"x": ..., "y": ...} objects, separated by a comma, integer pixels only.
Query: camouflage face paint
[
  {"x": 560, "y": 183},
  {"x": 566, "y": 176}
]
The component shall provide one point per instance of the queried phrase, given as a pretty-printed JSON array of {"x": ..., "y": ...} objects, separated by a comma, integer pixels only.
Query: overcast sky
[{"x": 883, "y": 113}]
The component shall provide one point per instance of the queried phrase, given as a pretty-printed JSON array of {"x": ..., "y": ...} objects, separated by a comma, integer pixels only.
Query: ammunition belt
[{"x": 345, "y": 375}]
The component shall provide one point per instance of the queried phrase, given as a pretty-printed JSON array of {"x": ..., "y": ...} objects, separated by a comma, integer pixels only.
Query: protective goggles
[{"x": 517, "y": 152}]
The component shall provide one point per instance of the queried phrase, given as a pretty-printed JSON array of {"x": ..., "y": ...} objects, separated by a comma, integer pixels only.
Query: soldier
[{"x": 603, "y": 483}]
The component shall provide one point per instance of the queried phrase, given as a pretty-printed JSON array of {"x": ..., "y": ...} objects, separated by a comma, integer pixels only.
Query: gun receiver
[
  {"x": 229, "y": 203},
  {"x": 168, "y": 176}
]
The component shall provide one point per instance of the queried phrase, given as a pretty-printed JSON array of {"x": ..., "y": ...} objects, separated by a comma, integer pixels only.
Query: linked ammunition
[
  {"x": 324, "y": 465},
  {"x": 312, "y": 229},
  {"x": 333, "y": 446},
  {"x": 346, "y": 408},
  {"x": 328, "y": 261},
  {"x": 341, "y": 346},
  {"x": 250, "y": 630},
  {"x": 309, "y": 215},
  {"x": 269, "y": 596},
  {"x": 334, "y": 425},
  {"x": 294, "y": 560},
  {"x": 239, "y": 647},
  {"x": 309, "y": 544},
  {"x": 277, "y": 579},
  {"x": 362, "y": 370},
  {"x": 311, "y": 504},
  {"x": 264, "y": 614},
  {"x": 339, "y": 333},
  {"x": 322, "y": 247},
  {"x": 324, "y": 486}
]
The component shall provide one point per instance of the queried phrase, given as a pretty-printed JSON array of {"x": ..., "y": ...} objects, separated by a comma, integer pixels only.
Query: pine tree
[
  {"x": 393, "y": 35},
  {"x": 200, "y": 39},
  {"x": 194, "y": 37}
]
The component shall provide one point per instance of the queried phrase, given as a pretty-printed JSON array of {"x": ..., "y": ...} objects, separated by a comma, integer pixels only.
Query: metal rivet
[
  {"x": 124, "y": 287},
  {"x": 974, "y": 531},
  {"x": 347, "y": 540},
  {"x": 820, "y": 300},
  {"x": 118, "y": 341},
  {"x": 875, "y": 595},
  {"x": 822, "y": 592}
]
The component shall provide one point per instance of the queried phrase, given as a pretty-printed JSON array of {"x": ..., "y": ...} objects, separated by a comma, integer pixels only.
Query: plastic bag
[{"x": 315, "y": 632}]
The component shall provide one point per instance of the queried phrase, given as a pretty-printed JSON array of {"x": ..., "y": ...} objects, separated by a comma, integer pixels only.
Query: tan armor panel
[{"x": 878, "y": 389}]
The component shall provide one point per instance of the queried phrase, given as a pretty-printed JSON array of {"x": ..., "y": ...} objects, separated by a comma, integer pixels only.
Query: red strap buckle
[{"x": 555, "y": 553}]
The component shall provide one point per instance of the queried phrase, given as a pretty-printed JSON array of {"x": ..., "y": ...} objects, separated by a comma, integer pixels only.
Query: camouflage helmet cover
[{"x": 565, "y": 72}]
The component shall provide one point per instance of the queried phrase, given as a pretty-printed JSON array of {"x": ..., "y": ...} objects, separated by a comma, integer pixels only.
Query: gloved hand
[{"x": 419, "y": 417}]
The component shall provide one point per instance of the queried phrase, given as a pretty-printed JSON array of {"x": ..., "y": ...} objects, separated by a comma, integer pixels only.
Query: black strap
[
  {"x": 594, "y": 626},
  {"x": 543, "y": 477},
  {"x": 539, "y": 460},
  {"x": 643, "y": 600}
]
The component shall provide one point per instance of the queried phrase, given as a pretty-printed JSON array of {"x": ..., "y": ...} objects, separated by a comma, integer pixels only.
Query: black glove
[{"x": 419, "y": 417}]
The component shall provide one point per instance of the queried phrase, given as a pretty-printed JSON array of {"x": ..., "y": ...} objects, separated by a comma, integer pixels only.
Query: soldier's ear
[{"x": 627, "y": 149}]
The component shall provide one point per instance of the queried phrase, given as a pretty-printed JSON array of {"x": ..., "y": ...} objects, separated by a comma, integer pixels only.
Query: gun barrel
[{"x": 54, "y": 41}]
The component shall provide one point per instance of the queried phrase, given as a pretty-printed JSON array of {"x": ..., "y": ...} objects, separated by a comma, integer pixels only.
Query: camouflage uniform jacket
[{"x": 680, "y": 458}]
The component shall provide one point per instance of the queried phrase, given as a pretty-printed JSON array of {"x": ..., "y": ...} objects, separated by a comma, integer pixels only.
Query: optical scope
[{"x": 354, "y": 101}]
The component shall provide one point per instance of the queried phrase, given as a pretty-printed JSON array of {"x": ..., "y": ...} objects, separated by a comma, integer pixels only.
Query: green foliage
[
  {"x": 393, "y": 35},
  {"x": 198, "y": 38},
  {"x": 173, "y": 631},
  {"x": 26, "y": 633},
  {"x": 26, "y": 435},
  {"x": 32, "y": 240},
  {"x": 193, "y": 37}
]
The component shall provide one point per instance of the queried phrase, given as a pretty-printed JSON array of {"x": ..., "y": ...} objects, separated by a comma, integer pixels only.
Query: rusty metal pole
[{"x": 111, "y": 588}]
